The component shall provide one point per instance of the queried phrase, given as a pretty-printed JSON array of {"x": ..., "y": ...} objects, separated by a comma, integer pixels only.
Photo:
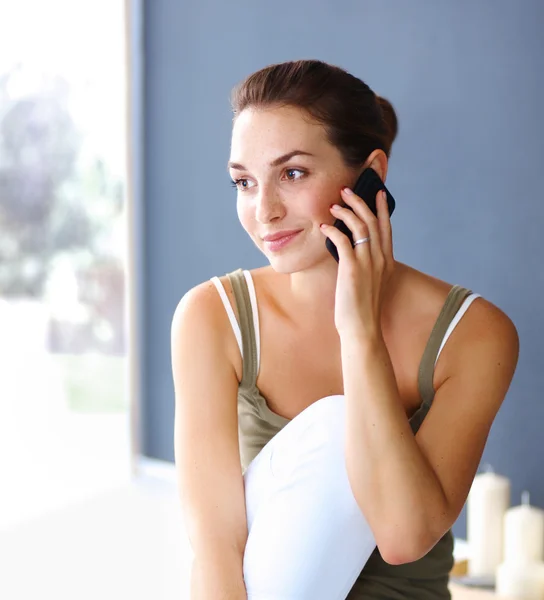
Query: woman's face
[{"x": 287, "y": 176}]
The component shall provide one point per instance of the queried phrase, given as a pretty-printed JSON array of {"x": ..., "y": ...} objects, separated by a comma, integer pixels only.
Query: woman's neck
[
  {"x": 313, "y": 291},
  {"x": 309, "y": 296}
]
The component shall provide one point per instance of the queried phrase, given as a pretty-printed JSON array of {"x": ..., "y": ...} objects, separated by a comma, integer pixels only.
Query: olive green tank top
[{"x": 424, "y": 579}]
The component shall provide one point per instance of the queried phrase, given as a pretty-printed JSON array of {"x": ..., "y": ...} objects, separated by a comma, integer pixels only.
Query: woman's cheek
[
  {"x": 244, "y": 216},
  {"x": 319, "y": 207}
]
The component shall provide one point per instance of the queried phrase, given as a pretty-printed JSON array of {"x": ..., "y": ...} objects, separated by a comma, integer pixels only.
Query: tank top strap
[
  {"x": 454, "y": 300},
  {"x": 249, "y": 344}
]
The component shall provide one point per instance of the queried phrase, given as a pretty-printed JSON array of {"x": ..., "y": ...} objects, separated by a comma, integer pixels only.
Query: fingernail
[{"x": 347, "y": 191}]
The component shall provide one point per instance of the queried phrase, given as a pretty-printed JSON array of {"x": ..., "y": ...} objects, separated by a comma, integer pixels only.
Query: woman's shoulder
[
  {"x": 200, "y": 304},
  {"x": 203, "y": 307},
  {"x": 483, "y": 329},
  {"x": 430, "y": 292}
]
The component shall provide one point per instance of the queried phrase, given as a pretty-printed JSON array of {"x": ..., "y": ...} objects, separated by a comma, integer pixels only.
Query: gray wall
[{"x": 467, "y": 81}]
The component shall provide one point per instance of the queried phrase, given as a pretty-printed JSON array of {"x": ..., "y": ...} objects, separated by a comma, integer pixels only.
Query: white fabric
[
  {"x": 308, "y": 539},
  {"x": 230, "y": 312},
  {"x": 255, "y": 311},
  {"x": 462, "y": 310}
]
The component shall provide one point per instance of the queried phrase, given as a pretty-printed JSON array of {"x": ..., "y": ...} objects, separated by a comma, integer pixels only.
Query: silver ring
[{"x": 361, "y": 241}]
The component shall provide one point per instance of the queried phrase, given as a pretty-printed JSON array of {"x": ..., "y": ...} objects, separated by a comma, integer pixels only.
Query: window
[{"x": 64, "y": 410}]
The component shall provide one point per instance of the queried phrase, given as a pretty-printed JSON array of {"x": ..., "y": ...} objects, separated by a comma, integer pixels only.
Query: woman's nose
[{"x": 268, "y": 206}]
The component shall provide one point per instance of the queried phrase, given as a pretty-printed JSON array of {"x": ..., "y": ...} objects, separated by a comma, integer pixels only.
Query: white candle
[
  {"x": 488, "y": 500},
  {"x": 524, "y": 532},
  {"x": 520, "y": 580}
]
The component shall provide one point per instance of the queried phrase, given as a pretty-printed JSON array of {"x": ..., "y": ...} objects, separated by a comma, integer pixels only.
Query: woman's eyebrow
[{"x": 275, "y": 163}]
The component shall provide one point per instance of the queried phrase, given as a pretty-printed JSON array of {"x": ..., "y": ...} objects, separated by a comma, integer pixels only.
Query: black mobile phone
[{"x": 366, "y": 187}]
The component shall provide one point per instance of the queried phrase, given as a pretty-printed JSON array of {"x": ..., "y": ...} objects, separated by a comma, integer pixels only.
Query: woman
[{"x": 358, "y": 428}]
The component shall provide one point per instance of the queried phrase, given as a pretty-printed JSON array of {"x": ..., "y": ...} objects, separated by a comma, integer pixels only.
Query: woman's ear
[{"x": 377, "y": 160}]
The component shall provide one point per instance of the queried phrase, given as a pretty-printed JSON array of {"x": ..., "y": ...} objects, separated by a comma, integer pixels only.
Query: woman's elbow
[{"x": 405, "y": 547}]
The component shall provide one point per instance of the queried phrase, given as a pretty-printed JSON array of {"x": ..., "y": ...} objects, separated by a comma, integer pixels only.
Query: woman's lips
[{"x": 276, "y": 245}]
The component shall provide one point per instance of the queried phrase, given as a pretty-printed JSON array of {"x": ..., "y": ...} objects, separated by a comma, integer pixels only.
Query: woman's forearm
[
  {"x": 218, "y": 577},
  {"x": 390, "y": 477}
]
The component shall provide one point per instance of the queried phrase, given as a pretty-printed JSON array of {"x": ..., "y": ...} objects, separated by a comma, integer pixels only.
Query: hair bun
[{"x": 390, "y": 118}]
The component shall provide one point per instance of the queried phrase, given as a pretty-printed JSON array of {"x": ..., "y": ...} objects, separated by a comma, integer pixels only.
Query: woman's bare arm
[
  {"x": 420, "y": 483},
  {"x": 210, "y": 480}
]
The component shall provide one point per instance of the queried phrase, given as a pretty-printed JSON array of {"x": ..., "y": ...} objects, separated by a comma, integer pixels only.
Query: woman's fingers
[
  {"x": 361, "y": 210},
  {"x": 346, "y": 253},
  {"x": 357, "y": 227},
  {"x": 378, "y": 225}
]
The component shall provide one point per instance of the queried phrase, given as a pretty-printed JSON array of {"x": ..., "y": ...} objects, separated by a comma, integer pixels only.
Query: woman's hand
[{"x": 363, "y": 270}]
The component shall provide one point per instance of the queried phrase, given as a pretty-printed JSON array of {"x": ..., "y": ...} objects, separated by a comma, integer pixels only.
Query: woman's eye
[
  {"x": 241, "y": 184},
  {"x": 294, "y": 171}
]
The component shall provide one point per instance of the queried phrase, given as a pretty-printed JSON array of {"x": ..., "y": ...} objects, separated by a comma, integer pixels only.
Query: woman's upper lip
[{"x": 272, "y": 237}]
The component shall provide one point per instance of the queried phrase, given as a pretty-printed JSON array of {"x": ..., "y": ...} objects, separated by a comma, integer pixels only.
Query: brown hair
[{"x": 356, "y": 120}]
